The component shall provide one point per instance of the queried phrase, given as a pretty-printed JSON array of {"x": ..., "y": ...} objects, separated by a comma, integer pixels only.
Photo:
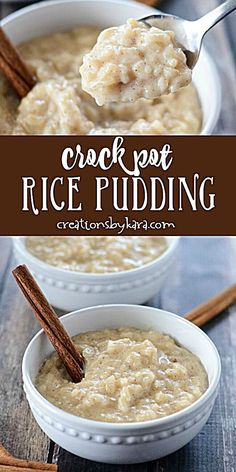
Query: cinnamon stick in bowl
[
  {"x": 69, "y": 354},
  {"x": 71, "y": 357},
  {"x": 14, "y": 68}
]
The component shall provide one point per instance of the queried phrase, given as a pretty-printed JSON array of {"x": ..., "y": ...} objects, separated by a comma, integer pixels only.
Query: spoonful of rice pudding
[
  {"x": 146, "y": 58},
  {"x": 134, "y": 61}
]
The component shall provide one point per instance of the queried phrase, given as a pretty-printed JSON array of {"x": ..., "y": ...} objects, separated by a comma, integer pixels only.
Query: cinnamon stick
[
  {"x": 17, "y": 468},
  {"x": 14, "y": 68},
  {"x": 71, "y": 357},
  {"x": 4, "y": 452},
  {"x": 8, "y": 462},
  {"x": 150, "y": 2},
  {"x": 212, "y": 307}
]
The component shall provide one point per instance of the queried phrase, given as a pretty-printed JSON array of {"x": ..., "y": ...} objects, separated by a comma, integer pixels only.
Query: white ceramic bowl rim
[
  {"x": 46, "y": 3},
  {"x": 213, "y": 112},
  {"x": 159, "y": 422},
  {"x": 20, "y": 244}
]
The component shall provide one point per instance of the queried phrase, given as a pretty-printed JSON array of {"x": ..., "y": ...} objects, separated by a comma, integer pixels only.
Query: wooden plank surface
[
  {"x": 18, "y": 431},
  {"x": 203, "y": 267}
]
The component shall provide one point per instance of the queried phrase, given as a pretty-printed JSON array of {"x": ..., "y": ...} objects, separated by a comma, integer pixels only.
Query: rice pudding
[
  {"x": 130, "y": 375},
  {"x": 134, "y": 61},
  {"x": 96, "y": 254},
  {"x": 58, "y": 105}
]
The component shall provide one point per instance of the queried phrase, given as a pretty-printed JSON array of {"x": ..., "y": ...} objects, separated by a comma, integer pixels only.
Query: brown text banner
[{"x": 137, "y": 185}]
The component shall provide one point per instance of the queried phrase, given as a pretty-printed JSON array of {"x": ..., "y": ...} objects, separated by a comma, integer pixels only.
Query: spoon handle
[{"x": 213, "y": 17}]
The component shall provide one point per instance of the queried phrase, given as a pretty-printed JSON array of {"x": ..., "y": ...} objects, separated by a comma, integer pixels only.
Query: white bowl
[
  {"x": 56, "y": 15},
  {"x": 70, "y": 290},
  {"x": 119, "y": 442}
]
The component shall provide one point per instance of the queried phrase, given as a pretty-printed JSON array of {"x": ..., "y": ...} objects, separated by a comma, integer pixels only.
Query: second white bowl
[{"x": 69, "y": 290}]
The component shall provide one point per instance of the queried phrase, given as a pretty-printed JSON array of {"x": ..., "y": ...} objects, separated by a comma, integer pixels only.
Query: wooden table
[
  {"x": 203, "y": 267},
  {"x": 221, "y": 43}
]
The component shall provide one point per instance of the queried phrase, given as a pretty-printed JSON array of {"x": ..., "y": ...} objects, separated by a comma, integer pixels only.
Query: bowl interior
[
  {"x": 57, "y": 15},
  {"x": 25, "y": 256},
  {"x": 142, "y": 317}
]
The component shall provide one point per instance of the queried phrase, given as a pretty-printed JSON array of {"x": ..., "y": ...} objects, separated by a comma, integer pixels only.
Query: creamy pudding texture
[
  {"x": 96, "y": 254},
  {"x": 130, "y": 375},
  {"x": 58, "y": 105},
  {"x": 134, "y": 61}
]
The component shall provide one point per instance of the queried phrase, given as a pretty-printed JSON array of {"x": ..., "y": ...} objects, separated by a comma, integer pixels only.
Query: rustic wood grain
[
  {"x": 4, "y": 260},
  {"x": 18, "y": 431}
]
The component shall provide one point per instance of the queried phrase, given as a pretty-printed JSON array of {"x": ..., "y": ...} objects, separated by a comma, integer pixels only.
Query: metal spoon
[{"x": 189, "y": 34}]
